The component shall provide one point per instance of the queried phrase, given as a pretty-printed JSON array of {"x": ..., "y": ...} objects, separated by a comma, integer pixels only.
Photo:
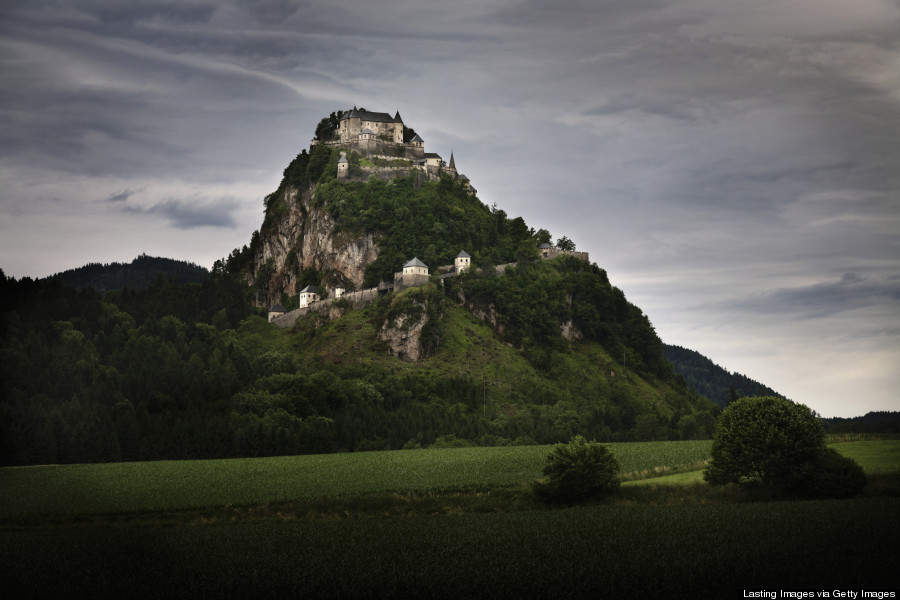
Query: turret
[
  {"x": 343, "y": 167},
  {"x": 308, "y": 295},
  {"x": 462, "y": 261}
]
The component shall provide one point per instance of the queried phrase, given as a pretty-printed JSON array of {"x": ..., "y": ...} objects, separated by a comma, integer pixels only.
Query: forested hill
[
  {"x": 516, "y": 349},
  {"x": 139, "y": 274},
  {"x": 181, "y": 371},
  {"x": 709, "y": 379},
  {"x": 872, "y": 422}
]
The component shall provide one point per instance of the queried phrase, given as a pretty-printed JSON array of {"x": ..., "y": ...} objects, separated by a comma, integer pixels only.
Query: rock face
[
  {"x": 305, "y": 239},
  {"x": 404, "y": 336},
  {"x": 411, "y": 328}
]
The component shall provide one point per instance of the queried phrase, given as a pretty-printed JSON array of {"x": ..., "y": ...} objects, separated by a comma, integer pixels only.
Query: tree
[
  {"x": 566, "y": 244},
  {"x": 578, "y": 471},
  {"x": 766, "y": 442}
]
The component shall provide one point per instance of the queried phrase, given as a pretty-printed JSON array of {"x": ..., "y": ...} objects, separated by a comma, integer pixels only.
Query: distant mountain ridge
[
  {"x": 711, "y": 380},
  {"x": 137, "y": 275}
]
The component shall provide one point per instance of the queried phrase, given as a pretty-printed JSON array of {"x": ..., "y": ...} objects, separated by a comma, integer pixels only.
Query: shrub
[
  {"x": 578, "y": 471},
  {"x": 451, "y": 441},
  {"x": 829, "y": 475}
]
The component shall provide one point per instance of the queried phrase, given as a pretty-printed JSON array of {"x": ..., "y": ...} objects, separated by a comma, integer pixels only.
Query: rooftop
[{"x": 415, "y": 262}]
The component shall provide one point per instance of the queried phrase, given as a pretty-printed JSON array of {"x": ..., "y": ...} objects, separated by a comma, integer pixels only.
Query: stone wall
[
  {"x": 551, "y": 253},
  {"x": 356, "y": 300}
]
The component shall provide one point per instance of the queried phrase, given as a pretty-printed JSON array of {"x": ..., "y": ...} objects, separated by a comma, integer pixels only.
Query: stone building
[
  {"x": 276, "y": 311},
  {"x": 414, "y": 273},
  {"x": 308, "y": 295},
  {"x": 380, "y": 126},
  {"x": 462, "y": 261}
]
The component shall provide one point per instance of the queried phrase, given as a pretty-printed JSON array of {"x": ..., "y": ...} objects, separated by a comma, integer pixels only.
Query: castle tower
[
  {"x": 451, "y": 168},
  {"x": 462, "y": 261},
  {"x": 415, "y": 267},
  {"x": 308, "y": 295},
  {"x": 343, "y": 167}
]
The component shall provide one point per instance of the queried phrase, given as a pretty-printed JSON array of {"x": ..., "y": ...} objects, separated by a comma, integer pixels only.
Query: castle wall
[
  {"x": 551, "y": 253},
  {"x": 408, "y": 280},
  {"x": 356, "y": 300}
]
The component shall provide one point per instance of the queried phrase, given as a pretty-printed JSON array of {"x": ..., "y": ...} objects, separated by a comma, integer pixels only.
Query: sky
[{"x": 734, "y": 165}]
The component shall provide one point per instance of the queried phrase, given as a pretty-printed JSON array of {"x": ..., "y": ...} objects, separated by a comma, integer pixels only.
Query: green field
[
  {"x": 179, "y": 485},
  {"x": 705, "y": 546}
]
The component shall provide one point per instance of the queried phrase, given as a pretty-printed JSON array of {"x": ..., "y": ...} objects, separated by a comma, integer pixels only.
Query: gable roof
[
  {"x": 310, "y": 289},
  {"x": 375, "y": 117},
  {"x": 417, "y": 139},
  {"x": 415, "y": 262},
  {"x": 462, "y": 254},
  {"x": 367, "y": 130},
  {"x": 278, "y": 308},
  {"x": 433, "y": 155}
]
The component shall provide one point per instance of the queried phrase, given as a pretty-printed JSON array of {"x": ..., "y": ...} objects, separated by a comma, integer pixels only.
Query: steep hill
[
  {"x": 355, "y": 233},
  {"x": 521, "y": 347},
  {"x": 711, "y": 380},
  {"x": 139, "y": 274}
]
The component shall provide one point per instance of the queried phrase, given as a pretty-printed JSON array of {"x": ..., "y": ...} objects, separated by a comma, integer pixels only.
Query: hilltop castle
[{"x": 379, "y": 138}]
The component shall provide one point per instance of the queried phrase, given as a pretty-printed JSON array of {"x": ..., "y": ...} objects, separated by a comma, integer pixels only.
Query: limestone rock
[{"x": 305, "y": 238}]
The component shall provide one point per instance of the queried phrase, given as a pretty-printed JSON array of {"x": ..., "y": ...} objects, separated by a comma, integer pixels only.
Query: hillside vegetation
[
  {"x": 188, "y": 371},
  {"x": 535, "y": 352},
  {"x": 710, "y": 380}
]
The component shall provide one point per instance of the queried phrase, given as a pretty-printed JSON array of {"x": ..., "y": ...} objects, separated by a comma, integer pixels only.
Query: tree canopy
[
  {"x": 776, "y": 446},
  {"x": 760, "y": 440}
]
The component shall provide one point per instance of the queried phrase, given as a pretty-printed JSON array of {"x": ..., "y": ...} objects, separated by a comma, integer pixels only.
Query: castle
[
  {"x": 415, "y": 273},
  {"x": 379, "y": 138}
]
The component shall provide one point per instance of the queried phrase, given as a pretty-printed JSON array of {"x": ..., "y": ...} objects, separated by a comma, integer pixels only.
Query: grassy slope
[{"x": 469, "y": 348}]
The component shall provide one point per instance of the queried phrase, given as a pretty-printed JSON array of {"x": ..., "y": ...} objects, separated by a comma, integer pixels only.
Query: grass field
[
  {"x": 703, "y": 545},
  {"x": 179, "y": 485}
]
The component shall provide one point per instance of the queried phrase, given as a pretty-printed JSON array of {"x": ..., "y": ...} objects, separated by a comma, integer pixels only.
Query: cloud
[
  {"x": 121, "y": 196},
  {"x": 851, "y": 292},
  {"x": 737, "y": 157},
  {"x": 191, "y": 214}
]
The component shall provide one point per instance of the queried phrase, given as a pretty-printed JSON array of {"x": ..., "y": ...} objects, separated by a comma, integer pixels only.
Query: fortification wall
[
  {"x": 401, "y": 281},
  {"x": 551, "y": 253},
  {"x": 356, "y": 300}
]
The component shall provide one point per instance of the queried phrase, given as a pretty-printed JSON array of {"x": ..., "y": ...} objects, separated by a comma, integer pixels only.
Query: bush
[
  {"x": 451, "y": 441},
  {"x": 578, "y": 471},
  {"x": 829, "y": 475}
]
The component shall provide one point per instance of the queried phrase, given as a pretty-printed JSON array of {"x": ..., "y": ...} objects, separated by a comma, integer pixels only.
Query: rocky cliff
[{"x": 305, "y": 238}]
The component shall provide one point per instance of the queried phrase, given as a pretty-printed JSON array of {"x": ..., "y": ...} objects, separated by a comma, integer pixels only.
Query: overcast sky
[{"x": 733, "y": 164}]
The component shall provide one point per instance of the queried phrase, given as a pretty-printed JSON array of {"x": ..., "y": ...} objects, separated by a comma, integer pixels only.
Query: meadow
[
  {"x": 635, "y": 545},
  {"x": 146, "y": 487}
]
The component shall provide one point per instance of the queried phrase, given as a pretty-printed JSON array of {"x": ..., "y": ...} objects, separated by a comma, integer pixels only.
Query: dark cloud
[
  {"x": 821, "y": 300},
  {"x": 191, "y": 214},
  {"x": 120, "y": 196},
  {"x": 118, "y": 14}
]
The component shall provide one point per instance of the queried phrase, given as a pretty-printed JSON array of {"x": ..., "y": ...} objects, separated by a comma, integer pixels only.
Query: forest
[{"x": 710, "y": 380}]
